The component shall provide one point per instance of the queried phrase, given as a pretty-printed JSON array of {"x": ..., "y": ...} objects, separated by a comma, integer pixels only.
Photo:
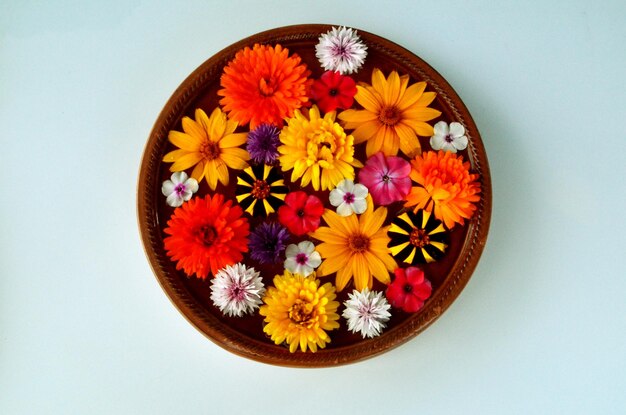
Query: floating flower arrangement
[{"x": 311, "y": 203}]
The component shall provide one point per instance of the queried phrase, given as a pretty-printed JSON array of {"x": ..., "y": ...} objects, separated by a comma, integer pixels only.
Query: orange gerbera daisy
[
  {"x": 211, "y": 145},
  {"x": 355, "y": 247},
  {"x": 206, "y": 234},
  {"x": 445, "y": 186},
  {"x": 264, "y": 85},
  {"x": 394, "y": 115}
]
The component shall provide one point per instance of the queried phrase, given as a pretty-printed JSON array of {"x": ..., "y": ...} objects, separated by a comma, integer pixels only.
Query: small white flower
[
  {"x": 179, "y": 189},
  {"x": 366, "y": 312},
  {"x": 449, "y": 138},
  {"x": 237, "y": 290},
  {"x": 341, "y": 50},
  {"x": 302, "y": 258},
  {"x": 349, "y": 197}
]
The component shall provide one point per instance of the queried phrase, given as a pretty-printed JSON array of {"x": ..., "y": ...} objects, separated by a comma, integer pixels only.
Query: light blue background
[{"x": 85, "y": 328}]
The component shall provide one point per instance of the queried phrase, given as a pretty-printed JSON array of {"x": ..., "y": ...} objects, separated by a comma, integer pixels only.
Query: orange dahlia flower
[
  {"x": 206, "y": 234},
  {"x": 445, "y": 186},
  {"x": 264, "y": 85}
]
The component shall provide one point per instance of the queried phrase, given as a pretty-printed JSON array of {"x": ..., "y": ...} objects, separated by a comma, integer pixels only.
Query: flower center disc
[
  {"x": 260, "y": 189},
  {"x": 267, "y": 87},
  {"x": 359, "y": 243},
  {"x": 419, "y": 238},
  {"x": 207, "y": 234},
  {"x": 301, "y": 312},
  {"x": 389, "y": 116},
  {"x": 210, "y": 150}
]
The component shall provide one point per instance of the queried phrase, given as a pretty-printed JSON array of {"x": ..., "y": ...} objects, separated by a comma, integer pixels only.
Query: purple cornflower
[
  {"x": 263, "y": 143},
  {"x": 267, "y": 243}
]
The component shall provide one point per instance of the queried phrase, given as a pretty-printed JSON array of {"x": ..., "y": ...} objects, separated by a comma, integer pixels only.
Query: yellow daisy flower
[
  {"x": 317, "y": 149},
  {"x": 210, "y": 144},
  {"x": 300, "y": 312},
  {"x": 355, "y": 247},
  {"x": 394, "y": 115}
]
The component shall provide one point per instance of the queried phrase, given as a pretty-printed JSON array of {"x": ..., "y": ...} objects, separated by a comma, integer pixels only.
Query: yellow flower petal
[
  {"x": 360, "y": 272},
  {"x": 369, "y": 99},
  {"x": 412, "y": 95},
  {"x": 222, "y": 172},
  {"x": 184, "y": 141},
  {"x": 370, "y": 222},
  {"x": 343, "y": 277},
  {"x": 186, "y": 161},
  {"x": 233, "y": 140},
  {"x": 377, "y": 267},
  {"x": 193, "y": 129},
  {"x": 235, "y": 158}
]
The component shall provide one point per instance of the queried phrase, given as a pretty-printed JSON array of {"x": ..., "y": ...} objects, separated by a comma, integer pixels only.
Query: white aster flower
[
  {"x": 237, "y": 290},
  {"x": 349, "y": 197},
  {"x": 449, "y": 138},
  {"x": 341, "y": 50},
  {"x": 179, "y": 189},
  {"x": 302, "y": 258},
  {"x": 366, "y": 312}
]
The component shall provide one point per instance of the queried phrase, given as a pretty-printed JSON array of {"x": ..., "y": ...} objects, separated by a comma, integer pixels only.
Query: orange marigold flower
[
  {"x": 264, "y": 85},
  {"x": 206, "y": 234},
  {"x": 445, "y": 186}
]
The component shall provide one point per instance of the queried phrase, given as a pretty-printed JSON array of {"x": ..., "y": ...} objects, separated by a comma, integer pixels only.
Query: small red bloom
[
  {"x": 301, "y": 213},
  {"x": 333, "y": 91},
  {"x": 409, "y": 289}
]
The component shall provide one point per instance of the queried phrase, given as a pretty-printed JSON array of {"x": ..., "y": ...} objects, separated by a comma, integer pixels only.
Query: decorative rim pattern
[{"x": 148, "y": 194}]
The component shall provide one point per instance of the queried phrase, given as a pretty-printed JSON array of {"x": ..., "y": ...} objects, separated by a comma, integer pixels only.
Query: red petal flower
[
  {"x": 205, "y": 235},
  {"x": 333, "y": 91},
  {"x": 301, "y": 213},
  {"x": 409, "y": 290}
]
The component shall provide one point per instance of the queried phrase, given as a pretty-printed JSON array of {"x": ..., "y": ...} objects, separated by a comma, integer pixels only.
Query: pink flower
[
  {"x": 409, "y": 289},
  {"x": 386, "y": 178}
]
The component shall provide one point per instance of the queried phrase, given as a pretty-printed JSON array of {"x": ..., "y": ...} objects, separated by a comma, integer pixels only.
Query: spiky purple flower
[
  {"x": 263, "y": 144},
  {"x": 267, "y": 243}
]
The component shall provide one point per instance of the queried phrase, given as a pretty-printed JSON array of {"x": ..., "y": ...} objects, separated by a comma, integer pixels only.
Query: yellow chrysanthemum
[
  {"x": 211, "y": 145},
  {"x": 394, "y": 115},
  {"x": 317, "y": 149},
  {"x": 300, "y": 312},
  {"x": 355, "y": 247}
]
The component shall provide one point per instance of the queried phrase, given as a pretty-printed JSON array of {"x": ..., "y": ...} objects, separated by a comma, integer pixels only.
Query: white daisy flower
[
  {"x": 348, "y": 197},
  {"x": 237, "y": 290},
  {"x": 366, "y": 312},
  {"x": 179, "y": 188},
  {"x": 302, "y": 258},
  {"x": 341, "y": 50},
  {"x": 450, "y": 138}
]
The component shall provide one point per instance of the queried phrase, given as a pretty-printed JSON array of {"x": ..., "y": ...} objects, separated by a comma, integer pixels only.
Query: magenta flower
[{"x": 386, "y": 178}]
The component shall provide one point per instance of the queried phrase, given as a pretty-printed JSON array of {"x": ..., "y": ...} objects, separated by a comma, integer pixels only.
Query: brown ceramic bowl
[{"x": 244, "y": 336}]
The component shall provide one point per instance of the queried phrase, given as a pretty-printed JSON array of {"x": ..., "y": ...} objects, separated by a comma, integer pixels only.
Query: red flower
[
  {"x": 409, "y": 289},
  {"x": 206, "y": 234},
  {"x": 333, "y": 91},
  {"x": 300, "y": 213}
]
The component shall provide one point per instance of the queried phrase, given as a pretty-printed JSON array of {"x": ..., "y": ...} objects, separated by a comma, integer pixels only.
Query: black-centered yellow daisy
[
  {"x": 260, "y": 189},
  {"x": 417, "y": 238}
]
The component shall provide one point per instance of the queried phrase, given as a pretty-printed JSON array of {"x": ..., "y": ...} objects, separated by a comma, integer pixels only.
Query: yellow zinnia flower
[
  {"x": 317, "y": 149},
  {"x": 355, "y": 248},
  {"x": 298, "y": 311},
  {"x": 209, "y": 144},
  {"x": 393, "y": 115}
]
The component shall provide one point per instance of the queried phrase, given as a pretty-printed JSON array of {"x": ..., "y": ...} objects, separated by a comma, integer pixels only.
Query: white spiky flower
[
  {"x": 237, "y": 290},
  {"x": 366, "y": 312},
  {"x": 341, "y": 50}
]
